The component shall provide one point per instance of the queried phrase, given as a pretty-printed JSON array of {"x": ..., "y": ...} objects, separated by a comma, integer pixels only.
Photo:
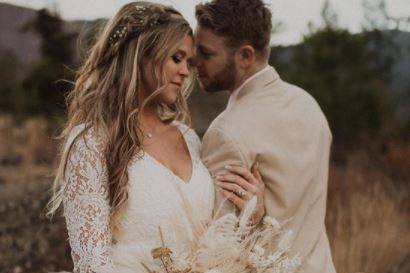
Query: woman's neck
[
  {"x": 149, "y": 116},
  {"x": 149, "y": 121}
]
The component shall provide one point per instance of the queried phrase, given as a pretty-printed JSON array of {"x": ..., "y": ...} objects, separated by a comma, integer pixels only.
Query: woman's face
[{"x": 176, "y": 69}]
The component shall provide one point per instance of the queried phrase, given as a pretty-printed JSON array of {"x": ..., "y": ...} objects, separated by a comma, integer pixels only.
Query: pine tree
[{"x": 43, "y": 88}]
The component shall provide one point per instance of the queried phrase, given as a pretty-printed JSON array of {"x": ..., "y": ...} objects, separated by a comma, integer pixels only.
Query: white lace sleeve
[{"x": 86, "y": 206}]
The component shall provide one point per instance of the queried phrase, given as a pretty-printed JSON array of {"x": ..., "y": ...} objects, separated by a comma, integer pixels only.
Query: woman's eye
[{"x": 176, "y": 59}]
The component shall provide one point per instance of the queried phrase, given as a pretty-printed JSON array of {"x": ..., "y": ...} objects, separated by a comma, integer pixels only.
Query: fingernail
[
  {"x": 228, "y": 167},
  {"x": 257, "y": 164},
  {"x": 219, "y": 177}
]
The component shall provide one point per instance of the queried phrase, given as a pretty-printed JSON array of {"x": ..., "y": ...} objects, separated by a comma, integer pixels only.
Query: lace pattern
[
  {"x": 86, "y": 206},
  {"x": 154, "y": 201}
]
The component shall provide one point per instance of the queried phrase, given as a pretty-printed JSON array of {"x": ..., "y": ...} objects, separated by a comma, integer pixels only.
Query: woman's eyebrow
[{"x": 182, "y": 52}]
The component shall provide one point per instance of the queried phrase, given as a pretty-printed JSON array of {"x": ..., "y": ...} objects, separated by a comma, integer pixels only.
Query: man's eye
[{"x": 205, "y": 55}]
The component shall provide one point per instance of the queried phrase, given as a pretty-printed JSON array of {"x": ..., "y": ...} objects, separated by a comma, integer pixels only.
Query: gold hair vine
[
  {"x": 120, "y": 33},
  {"x": 140, "y": 9}
]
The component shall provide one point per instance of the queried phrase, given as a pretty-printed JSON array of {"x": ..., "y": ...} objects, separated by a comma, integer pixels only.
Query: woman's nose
[{"x": 184, "y": 71}]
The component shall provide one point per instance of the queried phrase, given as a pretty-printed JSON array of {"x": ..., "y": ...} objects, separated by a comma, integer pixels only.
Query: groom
[{"x": 267, "y": 119}]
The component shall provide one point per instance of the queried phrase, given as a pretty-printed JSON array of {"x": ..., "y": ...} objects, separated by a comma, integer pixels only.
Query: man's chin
[
  {"x": 208, "y": 88},
  {"x": 203, "y": 85}
]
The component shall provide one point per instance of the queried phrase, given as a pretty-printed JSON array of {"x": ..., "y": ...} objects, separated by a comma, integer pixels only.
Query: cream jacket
[{"x": 283, "y": 127}]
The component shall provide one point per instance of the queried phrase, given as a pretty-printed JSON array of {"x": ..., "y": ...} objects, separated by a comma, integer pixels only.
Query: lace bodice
[{"x": 157, "y": 198}]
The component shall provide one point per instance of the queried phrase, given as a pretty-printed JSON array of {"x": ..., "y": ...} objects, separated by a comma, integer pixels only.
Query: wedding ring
[{"x": 242, "y": 193}]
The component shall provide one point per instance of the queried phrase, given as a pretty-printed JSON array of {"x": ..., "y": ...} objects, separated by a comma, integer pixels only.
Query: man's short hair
[{"x": 239, "y": 21}]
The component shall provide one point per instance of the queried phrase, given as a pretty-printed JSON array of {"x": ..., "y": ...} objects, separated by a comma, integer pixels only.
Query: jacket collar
[{"x": 259, "y": 80}]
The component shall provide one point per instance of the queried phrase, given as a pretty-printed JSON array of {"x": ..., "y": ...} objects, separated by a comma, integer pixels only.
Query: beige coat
[{"x": 284, "y": 127}]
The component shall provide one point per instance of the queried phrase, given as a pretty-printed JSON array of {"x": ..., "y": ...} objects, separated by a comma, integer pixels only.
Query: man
[{"x": 268, "y": 120}]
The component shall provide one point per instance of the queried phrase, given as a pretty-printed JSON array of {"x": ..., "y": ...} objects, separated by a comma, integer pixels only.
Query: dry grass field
[{"x": 367, "y": 220}]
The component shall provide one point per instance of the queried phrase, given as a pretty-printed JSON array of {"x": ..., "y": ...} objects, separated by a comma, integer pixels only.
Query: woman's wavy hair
[{"x": 106, "y": 92}]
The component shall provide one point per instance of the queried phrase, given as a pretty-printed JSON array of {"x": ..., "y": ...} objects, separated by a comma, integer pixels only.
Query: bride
[{"x": 129, "y": 164}]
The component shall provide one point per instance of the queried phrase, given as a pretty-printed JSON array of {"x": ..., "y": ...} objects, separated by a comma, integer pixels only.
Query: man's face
[{"x": 215, "y": 61}]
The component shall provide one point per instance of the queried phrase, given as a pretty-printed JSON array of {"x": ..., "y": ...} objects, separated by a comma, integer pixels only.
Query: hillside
[
  {"x": 204, "y": 107},
  {"x": 12, "y": 36}
]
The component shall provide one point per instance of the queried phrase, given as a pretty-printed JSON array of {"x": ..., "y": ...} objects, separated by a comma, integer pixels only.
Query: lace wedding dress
[{"x": 156, "y": 199}]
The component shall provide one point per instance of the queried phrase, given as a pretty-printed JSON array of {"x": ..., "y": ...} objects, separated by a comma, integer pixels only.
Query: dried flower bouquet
[{"x": 230, "y": 244}]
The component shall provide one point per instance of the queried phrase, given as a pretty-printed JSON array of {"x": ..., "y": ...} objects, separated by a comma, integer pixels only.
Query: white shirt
[{"x": 235, "y": 93}]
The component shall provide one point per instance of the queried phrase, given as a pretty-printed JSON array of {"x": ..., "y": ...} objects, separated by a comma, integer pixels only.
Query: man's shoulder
[
  {"x": 303, "y": 103},
  {"x": 219, "y": 124},
  {"x": 281, "y": 106},
  {"x": 299, "y": 94}
]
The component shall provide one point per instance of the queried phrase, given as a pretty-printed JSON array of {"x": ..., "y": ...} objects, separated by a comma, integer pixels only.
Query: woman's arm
[{"x": 86, "y": 206}]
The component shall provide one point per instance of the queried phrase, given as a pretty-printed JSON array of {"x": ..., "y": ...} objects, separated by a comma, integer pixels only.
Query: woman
[{"x": 129, "y": 164}]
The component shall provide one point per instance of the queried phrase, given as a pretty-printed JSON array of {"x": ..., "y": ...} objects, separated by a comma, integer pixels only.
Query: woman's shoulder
[
  {"x": 86, "y": 138},
  {"x": 187, "y": 130},
  {"x": 85, "y": 168},
  {"x": 190, "y": 135}
]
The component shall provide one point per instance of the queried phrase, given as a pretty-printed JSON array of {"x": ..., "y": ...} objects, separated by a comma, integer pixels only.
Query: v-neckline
[{"x": 163, "y": 166}]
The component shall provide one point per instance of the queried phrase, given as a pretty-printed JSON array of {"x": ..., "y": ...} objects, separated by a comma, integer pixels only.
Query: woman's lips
[{"x": 177, "y": 84}]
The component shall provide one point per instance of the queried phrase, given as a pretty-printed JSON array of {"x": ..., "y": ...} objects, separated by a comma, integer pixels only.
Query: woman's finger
[
  {"x": 234, "y": 199},
  {"x": 234, "y": 188},
  {"x": 236, "y": 179},
  {"x": 242, "y": 171},
  {"x": 256, "y": 173}
]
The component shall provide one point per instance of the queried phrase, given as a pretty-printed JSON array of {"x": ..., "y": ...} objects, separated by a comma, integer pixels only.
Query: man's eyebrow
[{"x": 204, "y": 48}]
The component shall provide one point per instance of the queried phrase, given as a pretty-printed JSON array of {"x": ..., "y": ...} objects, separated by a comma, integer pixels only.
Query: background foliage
[{"x": 360, "y": 81}]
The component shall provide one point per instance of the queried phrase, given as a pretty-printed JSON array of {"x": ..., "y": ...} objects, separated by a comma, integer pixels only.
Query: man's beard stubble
[{"x": 224, "y": 79}]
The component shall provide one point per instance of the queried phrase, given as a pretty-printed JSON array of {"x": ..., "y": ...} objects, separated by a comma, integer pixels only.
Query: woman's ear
[{"x": 246, "y": 56}]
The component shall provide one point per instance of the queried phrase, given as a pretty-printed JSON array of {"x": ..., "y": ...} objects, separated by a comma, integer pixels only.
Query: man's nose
[{"x": 196, "y": 61}]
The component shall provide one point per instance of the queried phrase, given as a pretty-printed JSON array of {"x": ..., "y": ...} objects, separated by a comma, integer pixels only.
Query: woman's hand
[{"x": 240, "y": 185}]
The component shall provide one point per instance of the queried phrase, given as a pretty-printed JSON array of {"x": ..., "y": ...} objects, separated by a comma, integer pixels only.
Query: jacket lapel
[{"x": 261, "y": 81}]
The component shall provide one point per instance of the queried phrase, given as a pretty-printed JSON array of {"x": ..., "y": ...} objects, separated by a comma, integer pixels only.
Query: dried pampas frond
[{"x": 230, "y": 244}]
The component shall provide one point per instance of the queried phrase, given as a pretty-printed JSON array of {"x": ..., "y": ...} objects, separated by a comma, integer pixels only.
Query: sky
[{"x": 294, "y": 14}]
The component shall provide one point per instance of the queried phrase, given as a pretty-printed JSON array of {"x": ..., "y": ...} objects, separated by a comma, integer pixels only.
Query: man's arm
[{"x": 218, "y": 151}]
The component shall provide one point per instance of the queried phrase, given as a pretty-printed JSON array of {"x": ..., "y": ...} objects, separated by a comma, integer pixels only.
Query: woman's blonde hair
[{"x": 105, "y": 96}]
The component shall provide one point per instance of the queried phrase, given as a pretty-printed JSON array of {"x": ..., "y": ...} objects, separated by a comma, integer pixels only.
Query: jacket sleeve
[{"x": 219, "y": 150}]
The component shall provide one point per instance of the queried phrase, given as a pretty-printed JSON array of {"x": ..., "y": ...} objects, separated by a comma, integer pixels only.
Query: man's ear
[{"x": 246, "y": 56}]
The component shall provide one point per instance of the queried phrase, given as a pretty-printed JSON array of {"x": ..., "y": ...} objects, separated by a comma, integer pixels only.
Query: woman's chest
[
  {"x": 171, "y": 151},
  {"x": 155, "y": 191}
]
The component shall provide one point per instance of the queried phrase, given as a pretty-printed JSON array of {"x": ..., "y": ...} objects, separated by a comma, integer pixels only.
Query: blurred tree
[
  {"x": 377, "y": 16},
  {"x": 10, "y": 81},
  {"x": 43, "y": 88},
  {"x": 346, "y": 74}
]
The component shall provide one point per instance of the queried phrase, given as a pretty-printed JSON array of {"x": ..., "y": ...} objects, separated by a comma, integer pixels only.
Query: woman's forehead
[{"x": 187, "y": 46}]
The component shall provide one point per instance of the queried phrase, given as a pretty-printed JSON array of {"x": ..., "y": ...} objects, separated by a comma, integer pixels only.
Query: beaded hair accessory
[{"x": 136, "y": 24}]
